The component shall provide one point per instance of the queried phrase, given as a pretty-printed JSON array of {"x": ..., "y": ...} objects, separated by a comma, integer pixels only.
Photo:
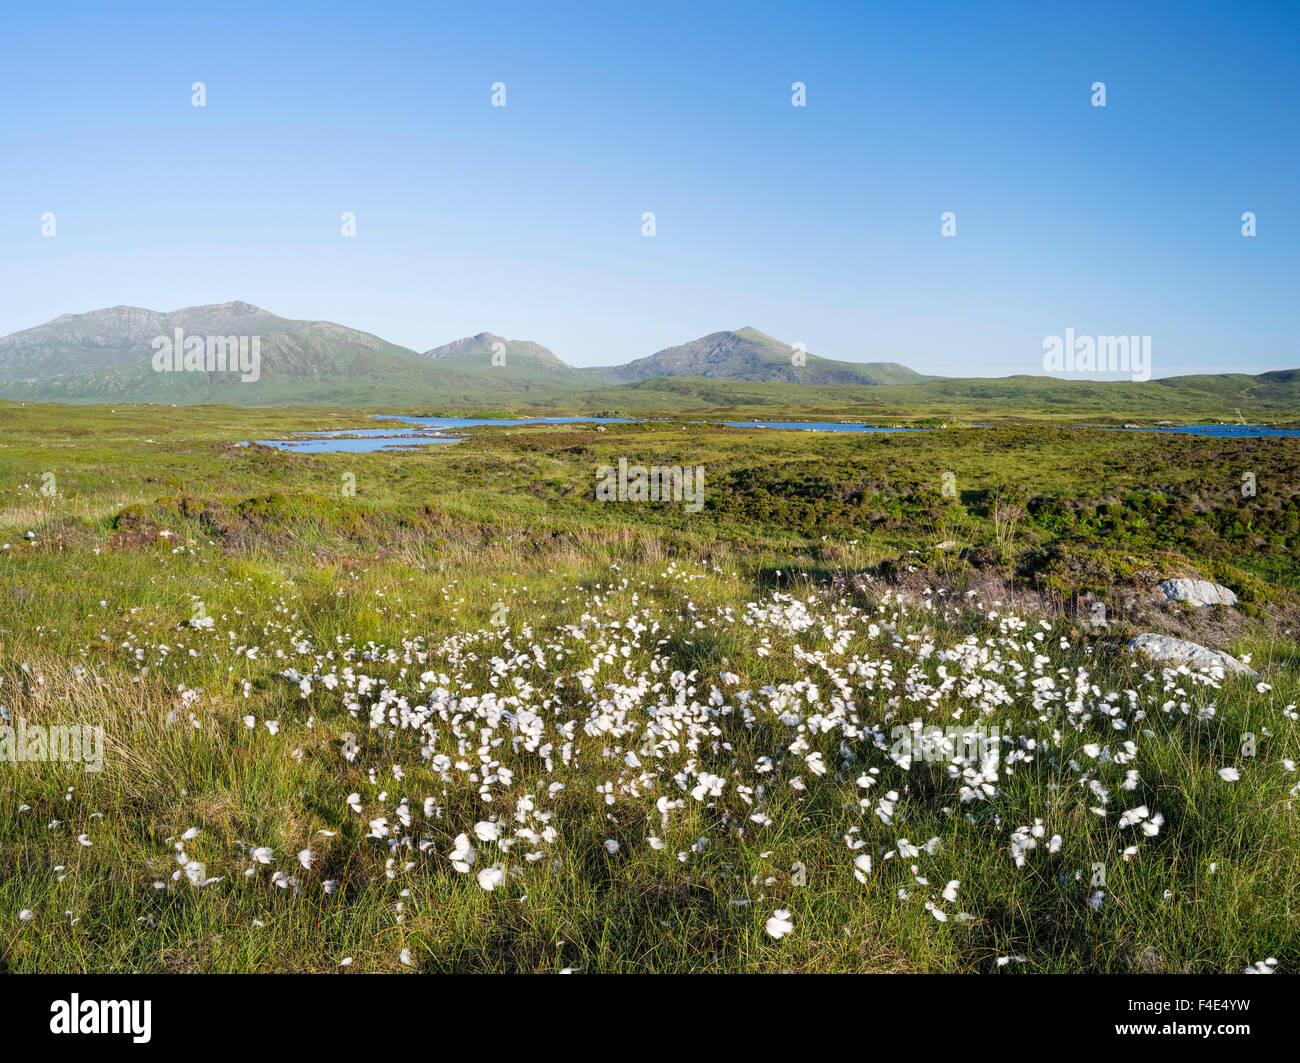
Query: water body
[
  {"x": 799, "y": 426},
  {"x": 368, "y": 440},
  {"x": 1218, "y": 431},
  {"x": 814, "y": 426},
  {"x": 480, "y": 422}
]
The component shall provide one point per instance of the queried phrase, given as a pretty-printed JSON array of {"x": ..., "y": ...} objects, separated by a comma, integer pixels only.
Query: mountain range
[
  {"x": 745, "y": 354},
  {"x": 109, "y": 356}
]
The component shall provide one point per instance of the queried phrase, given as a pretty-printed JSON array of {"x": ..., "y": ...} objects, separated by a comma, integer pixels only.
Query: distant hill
[
  {"x": 748, "y": 354},
  {"x": 479, "y": 351},
  {"x": 497, "y": 360},
  {"x": 108, "y": 355}
]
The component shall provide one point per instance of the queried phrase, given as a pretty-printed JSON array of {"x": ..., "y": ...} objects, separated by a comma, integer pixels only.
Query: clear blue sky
[{"x": 817, "y": 224}]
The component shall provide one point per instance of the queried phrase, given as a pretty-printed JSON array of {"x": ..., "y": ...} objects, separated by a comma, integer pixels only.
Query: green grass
[{"x": 407, "y": 578}]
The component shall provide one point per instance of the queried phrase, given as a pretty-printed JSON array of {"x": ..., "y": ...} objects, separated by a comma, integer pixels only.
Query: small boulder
[
  {"x": 1179, "y": 651},
  {"x": 1197, "y": 592}
]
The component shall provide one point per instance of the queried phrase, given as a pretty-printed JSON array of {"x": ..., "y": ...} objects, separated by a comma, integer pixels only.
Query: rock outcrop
[
  {"x": 1197, "y": 592},
  {"x": 1169, "y": 650}
]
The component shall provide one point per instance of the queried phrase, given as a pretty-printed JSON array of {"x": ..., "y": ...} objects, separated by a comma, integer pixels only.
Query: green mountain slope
[
  {"x": 496, "y": 360},
  {"x": 480, "y": 350},
  {"x": 108, "y": 356},
  {"x": 748, "y": 354}
]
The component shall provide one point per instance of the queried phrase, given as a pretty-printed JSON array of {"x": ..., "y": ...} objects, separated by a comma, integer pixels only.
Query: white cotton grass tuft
[
  {"x": 861, "y": 867},
  {"x": 462, "y": 854},
  {"x": 779, "y": 924}
]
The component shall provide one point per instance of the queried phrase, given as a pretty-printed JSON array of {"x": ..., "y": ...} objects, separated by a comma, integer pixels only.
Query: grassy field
[{"x": 469, "y": 718}]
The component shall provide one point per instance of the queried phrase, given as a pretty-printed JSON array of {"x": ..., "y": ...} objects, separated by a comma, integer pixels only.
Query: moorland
[{"x": 441, "y": 709}]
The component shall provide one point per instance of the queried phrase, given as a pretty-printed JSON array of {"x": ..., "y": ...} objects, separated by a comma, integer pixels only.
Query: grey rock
[
  {"x": 1168, "y": 650},
  {"x": 1197, "y": 592}
]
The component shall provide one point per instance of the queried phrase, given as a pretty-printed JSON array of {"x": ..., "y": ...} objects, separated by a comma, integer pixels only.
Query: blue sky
[{"x": 818, "y": 224}]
